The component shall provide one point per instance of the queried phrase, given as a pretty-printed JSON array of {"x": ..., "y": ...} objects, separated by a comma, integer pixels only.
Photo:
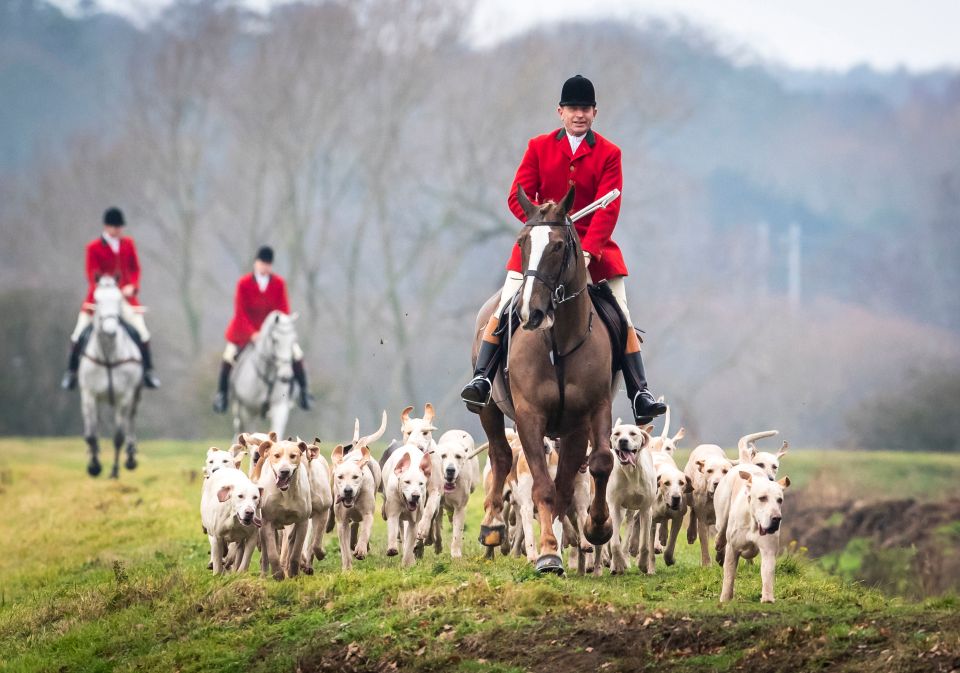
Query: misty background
[{"x": 793, "y": 235}]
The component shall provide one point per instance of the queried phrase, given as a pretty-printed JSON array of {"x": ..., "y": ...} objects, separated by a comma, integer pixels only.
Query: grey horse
[
  {"x": 110, "y": 373},
  {"x": 262, "y": 380}
]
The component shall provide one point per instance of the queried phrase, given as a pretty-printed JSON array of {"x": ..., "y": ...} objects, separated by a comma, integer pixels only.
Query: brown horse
[{"x": 559, "y": 378}]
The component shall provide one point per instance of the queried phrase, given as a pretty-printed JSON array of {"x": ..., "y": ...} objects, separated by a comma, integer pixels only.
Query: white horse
[
  {"x": 110, "y": 373},
  {"x": 262, "y": 380}
]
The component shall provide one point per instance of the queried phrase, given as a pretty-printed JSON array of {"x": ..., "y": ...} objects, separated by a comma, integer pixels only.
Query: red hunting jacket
[
  {"x": 548, "y": 170},
  {"x": 103, "y": 261},
  {"x": 251, "y": 307}
]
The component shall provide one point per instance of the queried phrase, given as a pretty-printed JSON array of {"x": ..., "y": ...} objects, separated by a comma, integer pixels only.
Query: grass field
[{"x": 111, "y": 576}]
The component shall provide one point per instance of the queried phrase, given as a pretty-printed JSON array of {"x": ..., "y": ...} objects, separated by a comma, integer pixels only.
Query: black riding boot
[
  {"x": 642, "y": 402},
  {"x": 150, "y": 379},
  {"x": 221, "y": 398},
  {"x": 69, "y": 381},
  {"x": 477, "y": 393},
  {"x": 300, "y": 376}
]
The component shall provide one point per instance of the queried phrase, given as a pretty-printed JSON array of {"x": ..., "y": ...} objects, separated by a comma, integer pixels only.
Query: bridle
[{"x": 558, "y": 291}]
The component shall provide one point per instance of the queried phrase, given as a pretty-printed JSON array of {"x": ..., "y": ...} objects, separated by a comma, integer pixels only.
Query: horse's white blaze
[{"x": 539, "y": 237}]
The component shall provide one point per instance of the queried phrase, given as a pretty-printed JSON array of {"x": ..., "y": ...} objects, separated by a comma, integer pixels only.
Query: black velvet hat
[
  {"x": 113, "y": 217},
  {"x": 578, "y": 90},
  {"x": 265, "y": 254}
]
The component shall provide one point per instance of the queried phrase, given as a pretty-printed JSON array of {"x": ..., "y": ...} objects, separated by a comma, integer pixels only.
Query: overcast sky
[{"x": 833, "y": 34}]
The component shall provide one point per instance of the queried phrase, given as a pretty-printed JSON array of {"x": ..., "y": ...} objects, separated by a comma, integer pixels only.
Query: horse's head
[
  {"x": 551, "y": 259},
  {"x": 279, "y": 336},
  {"x": 108, "y": 300}
]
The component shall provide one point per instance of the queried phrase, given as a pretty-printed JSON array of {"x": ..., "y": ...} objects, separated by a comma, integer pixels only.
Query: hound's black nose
[
  {"x": 624, "y": 443},
  {"x": 774, "y": 524},
  {"x": 348, "y": 491},
  {"x": 675, "y": 502}
]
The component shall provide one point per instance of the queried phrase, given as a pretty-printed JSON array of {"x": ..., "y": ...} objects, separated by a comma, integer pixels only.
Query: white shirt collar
[
  {"x": 113, "y": 242},
  {"x": 262, "y": 280},
  {"x": 575, "y": 141}
]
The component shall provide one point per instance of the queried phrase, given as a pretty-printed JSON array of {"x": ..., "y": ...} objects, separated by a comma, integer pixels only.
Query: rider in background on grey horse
[
  {"x": 112, "y": 254},
  {"x": 257, "y": 294},
  {"x": 573, "y": 155}
]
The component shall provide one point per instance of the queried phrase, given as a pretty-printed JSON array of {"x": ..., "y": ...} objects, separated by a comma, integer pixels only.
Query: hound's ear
[
  {"x": 681, "y": 433},
  {"x": 242, "y": 439},
  {"x": 753, "y": 448},
  {"x": 364, "y": 455},
  {"x": 700, "y": 464},
  {"x": 260, "y": 488},
  {"x": 303, "y": 446},
  {"x": 567, "y": 203},
  {"x": 746, "y": 476},
  {"x": 289, "y": 438},
  {"x": 783, "y": 449},
  {"x": 689, "y": 487},
  {"x": 238, "y": 458},
  {"x": 265, "y": 446},
  {"x": 273, "y": 436},
  {"x": 785, "y": 482},
  {"x": 658, "y": 481},
  {"x": 428, "y": 412},
  {"x": 312, "y": 452},
  {"x": 405, "y": 415},
  {"x": 617, "y": 423},
  {"x": 426, "y": 465},
  {"x": 224, "y": 493},
  {"x": 316, "y": 440},
  {"x": 528, "y": 208},
  {"x": 336, "y": 456},
  {"x": 401, "y": 465},
  {"x": 648, "y": 429}
]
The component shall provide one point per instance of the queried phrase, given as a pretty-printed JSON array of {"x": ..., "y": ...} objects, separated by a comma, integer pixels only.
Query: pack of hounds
[{"x": 291, "y": 496}]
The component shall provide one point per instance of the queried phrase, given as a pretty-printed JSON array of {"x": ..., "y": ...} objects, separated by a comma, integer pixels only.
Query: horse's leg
[
  {"x": 88, "y": 405},
  {"x": 119, "y": 436},
  {"x": 279, "y": 414},
  {"x": 493, "y": 530},
  {"x": 531, "y": 430},
  {"x": 599, "y": 529},
  {"x": 131, "y": 462},
  {"x": 571, "y": 458}
]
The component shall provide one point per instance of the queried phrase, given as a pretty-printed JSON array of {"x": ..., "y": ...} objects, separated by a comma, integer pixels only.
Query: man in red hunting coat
[
  {"x": 573, "y": 155},
  {"x": 112, "y": 254},
  {"x": 258, "y": 294}
]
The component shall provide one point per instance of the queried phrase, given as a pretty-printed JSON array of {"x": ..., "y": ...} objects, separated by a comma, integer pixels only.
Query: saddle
[{"x": 607, "y": 309}]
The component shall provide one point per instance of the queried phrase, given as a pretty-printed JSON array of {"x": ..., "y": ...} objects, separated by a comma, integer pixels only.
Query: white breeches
[
  {"x": 514, "y": 281},
  {"x": 230, "y": 353},
  {"x": 131, "y": 317}
]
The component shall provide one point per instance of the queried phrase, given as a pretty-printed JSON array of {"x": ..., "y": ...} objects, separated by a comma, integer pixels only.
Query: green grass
[{"x": 100, "y": 575}]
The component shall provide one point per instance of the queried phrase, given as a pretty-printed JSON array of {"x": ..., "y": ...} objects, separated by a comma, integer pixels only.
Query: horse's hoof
[
  {"x": 492, "y": 536},
  {"x": 94, "y": 469},
  {"x": 418, "y": 549},
  {"x": 320, "y": 554},
  {"x": 668, "y": 559},
  {"x": 549, "y": 564},
  {"x": 114, "y": 472},
  {"x": 307, "y": 570},
  {"x": 131, "y": 463},
  {"x": 392, "y": 552},
  {"x": 209, "y": 565},
  {"x": 599, "y": 535}
]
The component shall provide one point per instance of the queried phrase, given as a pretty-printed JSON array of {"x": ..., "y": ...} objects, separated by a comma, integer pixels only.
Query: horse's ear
[
  {"x": 528, "y": 208},
  {"x": 567, "y": 203}
]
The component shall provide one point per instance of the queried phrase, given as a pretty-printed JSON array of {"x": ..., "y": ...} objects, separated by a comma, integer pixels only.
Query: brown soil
[{"x": 604, "y": 640}]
